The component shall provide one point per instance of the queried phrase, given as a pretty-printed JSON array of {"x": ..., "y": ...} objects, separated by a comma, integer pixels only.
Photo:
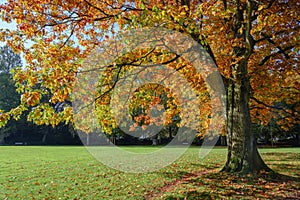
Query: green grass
[{"x": 72, "y": 173}]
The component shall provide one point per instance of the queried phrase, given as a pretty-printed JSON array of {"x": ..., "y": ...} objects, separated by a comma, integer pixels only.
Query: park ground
[{"x": 56, "y": 172}]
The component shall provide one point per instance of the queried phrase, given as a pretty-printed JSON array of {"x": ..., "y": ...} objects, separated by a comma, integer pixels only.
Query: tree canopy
[{"x": 63, "y": 32}]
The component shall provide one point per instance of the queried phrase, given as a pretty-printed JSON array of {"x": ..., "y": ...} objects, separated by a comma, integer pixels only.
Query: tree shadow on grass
[
  {"x": 205, "y": 166},
  {"x": 181, "y": 174},
  {"x": 292, "y": 169},
  {"x": 178, "y": 175},
  {"x": 286, "y": 157},
  {"x": 223, "y": 186},
  {"x": 191, "y": 195},
  {"x": 286, "y": 163}
]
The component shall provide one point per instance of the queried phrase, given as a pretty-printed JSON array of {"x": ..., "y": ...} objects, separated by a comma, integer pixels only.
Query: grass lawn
[{"x": 72, "y": 173}]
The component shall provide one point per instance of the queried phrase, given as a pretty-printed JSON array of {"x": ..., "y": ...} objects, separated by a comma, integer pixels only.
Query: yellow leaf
[{"x": 260, "y": 8}]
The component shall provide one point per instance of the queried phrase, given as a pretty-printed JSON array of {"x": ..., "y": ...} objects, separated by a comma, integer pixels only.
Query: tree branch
[
  {"x": 268, "y": 106},
  {"x": 282, "y": 51}
]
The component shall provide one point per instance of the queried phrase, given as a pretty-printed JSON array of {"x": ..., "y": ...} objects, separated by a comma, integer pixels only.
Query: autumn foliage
[{"x": 63, "y": 33}]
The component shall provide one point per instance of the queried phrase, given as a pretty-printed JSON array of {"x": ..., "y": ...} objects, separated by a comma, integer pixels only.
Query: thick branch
[
  {"x": 282, "y": 51},
  {"x": 268, "y": 106},
  {"x": 248, "y": 36},
  {"x": 278, "y": 47}
]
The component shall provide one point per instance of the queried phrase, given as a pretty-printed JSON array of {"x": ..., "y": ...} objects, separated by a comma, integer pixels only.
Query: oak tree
[{"x": 255, "y": 45}]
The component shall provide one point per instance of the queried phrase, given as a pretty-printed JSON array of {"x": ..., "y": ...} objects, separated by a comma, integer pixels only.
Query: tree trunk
[
  {"x": 87, "y": 139},
  {"x": 46, "y": 132},
  {"x": 154, "y": 140},
  {"x": 223, "y": 140},
  {"x": 243, "y": 155},
  {"x": 2, "y": 137},
  {"x": 170, "y": 133}
]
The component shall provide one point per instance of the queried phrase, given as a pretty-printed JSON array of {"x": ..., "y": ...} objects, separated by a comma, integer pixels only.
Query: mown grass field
[{"x": 35, "y": 172}]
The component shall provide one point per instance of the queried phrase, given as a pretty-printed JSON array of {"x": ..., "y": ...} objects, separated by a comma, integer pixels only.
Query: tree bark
[
  {"x": 243, "y": 155},
  {"x": 88, "y": 139},
  {"x": 46, "y": 132}
]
